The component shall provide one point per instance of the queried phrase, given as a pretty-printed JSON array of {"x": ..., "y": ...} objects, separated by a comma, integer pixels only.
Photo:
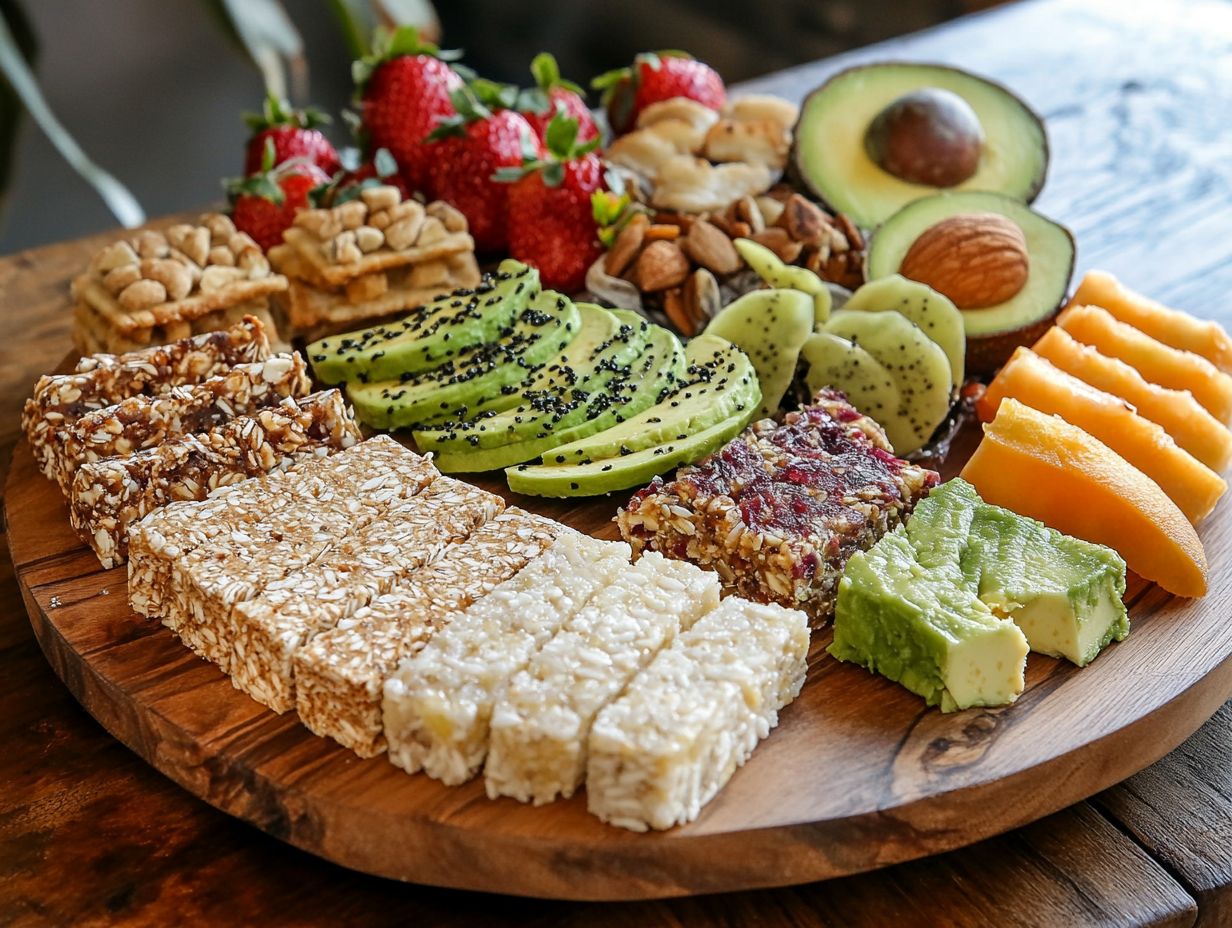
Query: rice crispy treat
[
  {"x": 540, "y": 727},
  {"x": 371, "y": 258},
  {"x": 106, "y": 379},
  {"x": 438, "y": 704},
  {"x": 779, "y": 510},
  {"x": 109, "y": 496},
  {"x": 340, "y": 674},
  {"x": 160, "y": 286},
  {"x": 142, "y": 422},
  {"x": 673, "y": 739}
]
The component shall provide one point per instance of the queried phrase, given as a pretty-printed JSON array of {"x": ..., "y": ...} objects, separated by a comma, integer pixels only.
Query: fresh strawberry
[
  {"x": 293, "y": 134},
  {"x": 381, "y": 168},
  {"x": 467, "y": 149},
  {"x": 404, "y": 90},
  {"x": 654, "y": 77},
  {"x": 264, "y": 204},
  {"x": 553, "y": 94},
  {"x": 551, "y": 214}
]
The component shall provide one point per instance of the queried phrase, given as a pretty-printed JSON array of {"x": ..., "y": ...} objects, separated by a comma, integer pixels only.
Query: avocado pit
[{"x": 929, "y": 136}]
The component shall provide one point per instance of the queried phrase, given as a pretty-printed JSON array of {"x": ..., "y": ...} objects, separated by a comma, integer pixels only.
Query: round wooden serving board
[{"x": 859, "y": 774}]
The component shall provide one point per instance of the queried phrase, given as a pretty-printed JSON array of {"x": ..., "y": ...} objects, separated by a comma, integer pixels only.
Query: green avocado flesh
[
  {"x": 611, "y": 399},
  {"x": 829, "y": 154},
  {"x": 1050, "y": 249},
  {"x": 432, "y": 333},
  {"x": 931, "y": 604},
  {"x": 541, "y": 331},
  {"x": 719, "y": 384},
  {"x": 623, "y": 472}
]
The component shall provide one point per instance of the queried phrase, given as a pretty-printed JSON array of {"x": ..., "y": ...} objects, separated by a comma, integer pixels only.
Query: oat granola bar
[
  {"x": 109, "y": 496},
  {"x": 105, "y": 379},
  {"x": 778, "y": 511},
  {"x": 541, "y": 725},
  {"x": 340, "y": 674},
  {"x": 142, "y": 422}
]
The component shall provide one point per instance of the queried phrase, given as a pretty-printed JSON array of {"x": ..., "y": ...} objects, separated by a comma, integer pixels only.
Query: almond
[
  {"x": 628, "y": 243},
  {"x": 777, "y": 240},
  {"x": 702, "y": 298},
  {"x": 660, "y": 266},
  {"x": 804, "y": 221},
  {"x": 710, "y": 248},
  {"x": 676, "y": 311},
  {"x": 976, "y": 259}
]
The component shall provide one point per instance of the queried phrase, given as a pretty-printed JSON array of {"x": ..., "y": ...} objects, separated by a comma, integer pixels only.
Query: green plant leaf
[
  {"x": 264, "y": 30},
  {"x": 122, "y": 204}
]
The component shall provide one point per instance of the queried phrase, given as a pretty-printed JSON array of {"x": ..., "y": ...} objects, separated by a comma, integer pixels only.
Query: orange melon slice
[
  {"x": 1182, "y": 417},
  {"x": 1157, "y": 362},
  {"x": 1031, "y": 380},
  {"x": 1170, "y": 326},
  {"x": 1042, "y": 466}
]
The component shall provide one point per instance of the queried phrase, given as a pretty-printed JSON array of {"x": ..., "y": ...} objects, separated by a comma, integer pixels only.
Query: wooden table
[{"x": 1137, "y": 102}]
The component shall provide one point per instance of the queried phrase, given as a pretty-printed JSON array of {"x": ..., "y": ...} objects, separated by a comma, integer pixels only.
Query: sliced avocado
[
  {"x": 620, "y": 473},
  {"x": 934, "y": 313},
  {"x": 846, "y": 118},
  {"x": 770, "y": 326},
  {"x": 920, "y": 370},
  {"x": 655, "y": 371},
  {"x": 833, "y": 361},
  {"x": 432, "y": 333},
  {"x": 993, "y": 332},
  {"x": 719, "y": 383},
  {"x": 542, "y": 330}
]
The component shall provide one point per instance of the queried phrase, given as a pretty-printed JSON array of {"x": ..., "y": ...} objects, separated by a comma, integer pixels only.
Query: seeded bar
[
  {"x": 673, "y": 739},
  {"x": 778, "y": 511},
  {"x": 340, "y": 674},
  {"x": 109, "y": 496},
  {"x": 438, "y": 704},
  {"x": 106, "y": 379},
  {"x": 541, "y": 725}
]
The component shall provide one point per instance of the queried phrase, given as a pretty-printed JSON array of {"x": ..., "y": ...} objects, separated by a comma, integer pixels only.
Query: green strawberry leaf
[
  {"x": 561, "y": 134},
  {"x": 546, "y": 72},
  {"x": 385, "y": 163}
]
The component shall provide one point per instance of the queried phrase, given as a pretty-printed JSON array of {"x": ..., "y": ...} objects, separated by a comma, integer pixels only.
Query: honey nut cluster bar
[
  {"x": 370, "y": 258},
  {"x": 779, "y": 510}
]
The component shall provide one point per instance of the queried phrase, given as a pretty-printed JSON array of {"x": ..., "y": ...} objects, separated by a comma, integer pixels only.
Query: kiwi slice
[{"x": 833, "y": 361}]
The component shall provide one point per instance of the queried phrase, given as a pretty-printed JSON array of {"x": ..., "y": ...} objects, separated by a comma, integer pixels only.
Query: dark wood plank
[{"x": 1181, "y": 811}]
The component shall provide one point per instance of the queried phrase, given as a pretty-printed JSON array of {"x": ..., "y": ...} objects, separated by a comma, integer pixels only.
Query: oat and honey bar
[
  {"x": 106, "y": 379},
  {"x": 110, "y": 495},
  {"x": 386, "y": 553},
  {"x": 142, "y": 422},
  {"x": 437, "y": 705},
  {"x": 779, "y": 510},
  {"x": 541, "y": 725},
  {"x": 340, "y": 674}
]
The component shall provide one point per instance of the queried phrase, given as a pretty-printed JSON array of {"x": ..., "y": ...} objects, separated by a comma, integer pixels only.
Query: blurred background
[{"x": 153, "y": 90}]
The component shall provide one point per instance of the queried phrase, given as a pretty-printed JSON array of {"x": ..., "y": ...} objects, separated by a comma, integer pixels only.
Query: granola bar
[
  {"x": 142, "y": 422},
  {"x": 110, "y": 495},
  {"x": 778, "y": 511},
  {"x": 340, "y": 674},
  {"x": 105, "y": 379}
]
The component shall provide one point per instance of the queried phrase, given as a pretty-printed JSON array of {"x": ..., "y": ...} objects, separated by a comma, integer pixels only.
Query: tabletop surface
[{"x": 1137, "y": 98}]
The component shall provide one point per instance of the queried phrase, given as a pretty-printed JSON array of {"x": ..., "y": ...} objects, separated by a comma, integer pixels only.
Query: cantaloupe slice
[
  {"x": 1157, "y": 362},
  {"x": 1183, "y": 417},
  {"x": 1042, "y": 466},
  {"x": 1031, "y": 380},
  {"x": 1170, "y": 326}
]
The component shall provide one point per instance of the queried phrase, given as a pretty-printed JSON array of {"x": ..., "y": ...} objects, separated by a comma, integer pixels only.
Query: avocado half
[
  {"x": 830, "y": 159},
  {"x": 993, "y": 332}
]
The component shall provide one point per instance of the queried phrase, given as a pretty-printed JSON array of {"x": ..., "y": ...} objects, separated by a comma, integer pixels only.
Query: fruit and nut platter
[{"x": 748, "y": 332}]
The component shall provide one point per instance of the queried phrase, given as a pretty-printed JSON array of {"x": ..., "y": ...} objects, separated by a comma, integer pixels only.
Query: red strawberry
[
  {"x": 552, "y": 221},
  {"x": 293, "y": 135},
  {"x": 469, "y": 148},
  {"x": 654, "y": 77},
  {"x": 264, "y": 204},
  {"x": 553, "y": 94},
  {"x": 404, "y": 89}
]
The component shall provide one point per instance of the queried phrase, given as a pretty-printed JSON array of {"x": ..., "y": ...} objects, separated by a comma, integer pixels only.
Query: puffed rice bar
[
  {"x": 438, "y": 704},
  {"x": 541, "y": 725},
  {"x": 105, "y": 379},
  {"x": 110, "y": 495},
  {"x": 673, "y": 739},
  {"x": 142, "y": 422},
  {"x": 340, "y": 674}
]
